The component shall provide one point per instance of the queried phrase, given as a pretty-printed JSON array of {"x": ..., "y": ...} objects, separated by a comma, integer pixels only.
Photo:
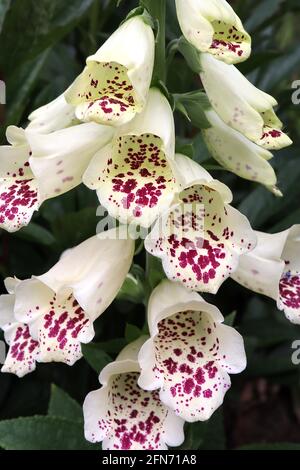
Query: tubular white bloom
[
  {"x": 241, "y": 105},
  {"x": 238, "y": 154},
  {"x": 19, "y": 194},
  {"x": 115, "y": 83},
  {"x": 36, "y": 167},
  {"x": 200, "y": 238},
  {"x": 134, "y": 175},
  {"x": 190, "y": 353},
  {"x": 59, "y": 160},
  {"x": 213, "y": 26},
  {"x": 273, "y": 269},
  {"x": 60, "y": 306},
  {"x": 124, "y": 416},
  {"x": 52, "y": 117}
]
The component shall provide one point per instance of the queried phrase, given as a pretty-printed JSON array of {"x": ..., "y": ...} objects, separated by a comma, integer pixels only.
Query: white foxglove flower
[
  {"x": 213, "y": 26},
  {"x": 190, "y": 353},
  {"x": 52, "y": 117},
  {"x": 59, "y": 160},
  {"x": 134, "y": 175},
  {"x": 115, "y": 83},
  {"x": 200, "y": 238},
  {"x": 37, "y": 167},
  {"x": 125, "y": 417},
  {"x": 273, "y": 269},
  {"x": 238, "y": 154},
  {"x": 60, "y": 306},
  {"x": 241, "y": 105},
  {"x": 19, "y": 193}
]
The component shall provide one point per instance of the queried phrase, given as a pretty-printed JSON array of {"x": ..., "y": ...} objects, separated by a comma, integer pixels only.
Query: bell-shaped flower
[
  {"x": 36, "y": 167},
  {"x": 19, "y": 193},
  {"x": 190, "y": 353},
  {"x": 273, "y": 269},
  {"x": 23, "y": 349},
  {"x": 115, "y": 83},
  {"x": 59, "y": 160},
  {"x": 60, "y": 306},
  {"x": 200, "y": 238},
  {"x": 134, "y": 174},
  {"x": 213, "y": 26},
  {"x": 52, "y": 117},
  {"x": 238, "y": 154},
  {"x": 241, "y": 105},
  {"x": 125, "y": 417}
]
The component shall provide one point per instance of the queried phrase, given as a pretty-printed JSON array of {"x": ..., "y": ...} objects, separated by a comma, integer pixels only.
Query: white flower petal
[
  {"x": 192, "y": 353},
  {"x": 124, "y": 416},
  {"x": 214, "y": 27},
  {"x": 238, "y": 154},
  {"x": 52, "y": 117},
  {"x": 59, "y": 160},
  {"x": 200, "y": 240},
  {"x": 115, "y": 83},
  {"x": 19, "y": 197}
]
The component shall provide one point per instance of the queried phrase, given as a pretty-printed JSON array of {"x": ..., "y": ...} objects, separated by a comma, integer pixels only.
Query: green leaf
[
  {"x": 37, "y": 234},
  {"x": 132, "y": 333},
  {"x": 4, "y": 7},
  {"x": 111, "y": 347},
  {"x": 280, "y": 69},
  {"x": 43, "y": 433},
  {"x": 95, "y": 356},
  {"x": 49, "y": 21},
  {"x": 260, "y": 205},
  {"x": 193, "y": 106},
  {"x": 63, "y": 406},
  {"x": 191, "y": 55}
]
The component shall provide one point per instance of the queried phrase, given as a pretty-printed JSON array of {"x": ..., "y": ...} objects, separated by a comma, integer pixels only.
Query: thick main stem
[{"x": 157, "y": 9}]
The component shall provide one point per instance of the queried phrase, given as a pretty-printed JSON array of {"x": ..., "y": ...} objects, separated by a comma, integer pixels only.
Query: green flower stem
[{"x": 157, "y": 9}]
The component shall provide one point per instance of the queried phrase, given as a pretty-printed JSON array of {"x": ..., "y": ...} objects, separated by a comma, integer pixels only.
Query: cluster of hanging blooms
[{"x": 114, "y": 132}]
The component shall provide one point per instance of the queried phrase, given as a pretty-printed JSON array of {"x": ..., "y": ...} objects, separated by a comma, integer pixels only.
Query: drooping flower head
[
  {"x": 134, "y": 175},
  {"x": 115, "y": 83},
  {"x": 237, "y": 154},
  {"x": 213, "y": 26},
  {"x": 46, "y": 318},
  {"x": 190, "y": 353},
  {"x": 241, "y": 105},
  {"x": 37, "y": 167},
  {"x": 273, "y": 269},
  {"x": 200, "y": 238},
  {"x": 52, "y": 117},
  {"x": 19, "y": 194},
  {"x": 125, "y": 417}
]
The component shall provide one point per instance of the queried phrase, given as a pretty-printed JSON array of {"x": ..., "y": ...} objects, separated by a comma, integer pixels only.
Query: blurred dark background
[{"x": 43, "y": 48}]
